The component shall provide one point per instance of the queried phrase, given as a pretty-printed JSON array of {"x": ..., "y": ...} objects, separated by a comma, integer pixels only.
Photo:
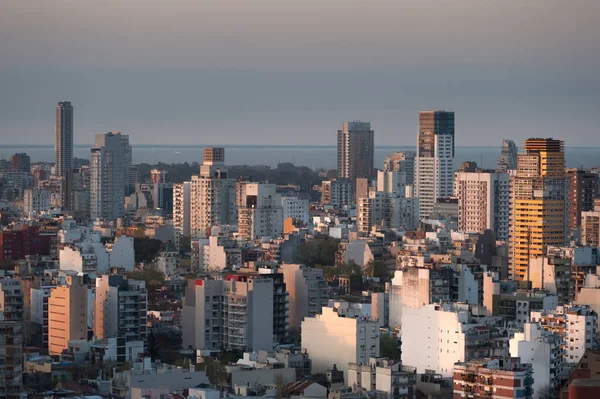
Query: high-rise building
[
  {"x": 483, "y": 202},
  {"x": 402, "y": 162},
  {"x": 63, "y": 138},
  {"x": 590, "y": 226},
  {"x": 11, "y": 339},
  {"x": 582, "y": 190},
  {"x": 121, "y": 308},
  {"x": 67, "y": 315},
  {"x": 212, "y": 195},
  {"x": 508, "y": 157},
  {"x": 35, "y": 200},
  {"x": 260, "y": 213},
  {"x": 181, "y": 211},
  {"x": 434, "y": 170},
  {"x": 355, "y": 145},
  {"x": 538, "y": 203},
  {"x": 108, "y": 168}
]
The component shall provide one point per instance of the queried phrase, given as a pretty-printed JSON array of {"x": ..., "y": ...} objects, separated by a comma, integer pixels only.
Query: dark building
[
  {"x": 582, "y": 190},
  {"x": 21, "y": 241},
  {"x": 63, "y": 138},
  {"x": 355, "y": 151},
  {"x": 20, "y": 162}
]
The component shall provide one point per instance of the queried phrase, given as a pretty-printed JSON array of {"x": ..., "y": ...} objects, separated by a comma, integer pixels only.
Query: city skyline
[{"x": 285, "y": 84}]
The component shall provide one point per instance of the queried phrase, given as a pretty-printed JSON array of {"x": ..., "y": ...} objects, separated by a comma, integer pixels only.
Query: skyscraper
[
  {"x": 538, "y": 203},
  {"x": 108, "y": 176},
  {"x": 63, "y": 138},
  {"x": 508, "y": 158},
  {"x": 434, "y": 171},
  {"x": 356, "y": 143},
  {"x": 212, "y": 195}
]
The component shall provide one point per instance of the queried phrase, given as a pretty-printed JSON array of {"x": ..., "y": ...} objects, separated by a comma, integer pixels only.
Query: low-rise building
[{"x": 383, "y": 378}]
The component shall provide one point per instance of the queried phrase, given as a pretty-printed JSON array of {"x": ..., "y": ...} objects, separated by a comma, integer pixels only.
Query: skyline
[{"x": 254, "y": 73}]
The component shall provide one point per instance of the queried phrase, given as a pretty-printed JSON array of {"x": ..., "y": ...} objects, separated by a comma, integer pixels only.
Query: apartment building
[
  {"x": 120, "y": 308},
  {"x": 402, "y": 162},
  {"x": 11, "y": 338},
  {"x": 494, "y": 378},
  {"x": 260, "y": 211},
  {"x": 582, "y": 188},
  {"x": 236, "y": 313},
  {"x": 296, "y": 209},
  {"x": 355, "y": 149},
  {"x": 590, "y": 226},
  {"x": 336, "y": 192},
  {"x": 384, "y": 378}
]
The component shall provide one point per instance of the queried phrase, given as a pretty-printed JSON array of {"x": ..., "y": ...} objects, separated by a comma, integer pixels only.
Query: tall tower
[
  {"x": 356, "y": 144},
  {"x": 434, "y": 170},
  {"x": 63, "y": 138},
  {"x": 212, "y": 195},
  {"x": 538, "y": 203},
  {"x": 108, "y": 174}
]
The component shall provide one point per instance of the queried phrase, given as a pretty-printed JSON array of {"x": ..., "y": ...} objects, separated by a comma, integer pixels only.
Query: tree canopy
[{"x": 318, "y": 252}]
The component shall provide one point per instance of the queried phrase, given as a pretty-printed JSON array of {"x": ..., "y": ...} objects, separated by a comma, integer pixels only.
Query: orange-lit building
[
  {"x": 538, "y": 203},
  {"x": 493, "y": 378}
]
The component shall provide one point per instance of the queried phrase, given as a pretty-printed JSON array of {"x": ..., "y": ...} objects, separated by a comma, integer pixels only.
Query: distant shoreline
[{"x": 259, "y": 146}]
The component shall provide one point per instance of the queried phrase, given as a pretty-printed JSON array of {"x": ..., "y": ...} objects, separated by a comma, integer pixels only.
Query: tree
[
  {"x": 377, "y": 269},
  {"x": 388, "y": 347},
  {"x": 318, "y": 252},
  {"x": 545, "y": 392},
  {"x": 280, "y": 384},
  {"x": 146, "y": 249},
  {"x": 153, "y": 348},
  {"x": 7, "y": 265},
  {"x": 151, "y": 275}
]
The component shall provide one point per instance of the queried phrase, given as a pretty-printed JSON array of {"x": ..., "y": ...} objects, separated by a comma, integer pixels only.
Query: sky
[{"x": 290, "y": 72}]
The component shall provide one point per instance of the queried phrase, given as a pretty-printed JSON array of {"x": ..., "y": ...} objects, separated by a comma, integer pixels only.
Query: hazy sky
[{"x": 289, "y": 72}]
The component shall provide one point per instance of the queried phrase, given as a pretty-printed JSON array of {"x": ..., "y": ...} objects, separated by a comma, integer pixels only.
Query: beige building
[
  {"x": 307, "y": 289},
  {"x": 482, "y": 202},
  {"x": 67, "y": 316}
]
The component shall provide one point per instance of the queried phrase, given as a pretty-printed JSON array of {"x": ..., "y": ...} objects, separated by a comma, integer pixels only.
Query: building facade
[
  {"x": 307, "y": 290},
  {"x": 67, "y": 315},
  {"x": 336, "y": 192},
  {"x": 11, "y": 339},
  {"x": 508, "y": 157},
  {"x": 493, "y": 378},
  {"x": 402, "y": 162},
  {"x": 582, "y": 191},
  {"x": 260, "y": 211}
]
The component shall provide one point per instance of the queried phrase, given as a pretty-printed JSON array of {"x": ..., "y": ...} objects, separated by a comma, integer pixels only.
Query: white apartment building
[
  {"x": 307, "y": 290},
  {"x": 384, "y": 378},
  {"x": 576, "y": 325},
  {"x": 336, "y": 192},
  {"x": 36, "y": 200},
  {"x": 260, "y": 211},
  {"x": 296, "y": 208},
  {"x": 181, "y": 211},
  {"x": 543, "y": 350},
  {"x": 339, "y": 336},
  {"x": 402, "y": 162},
  {"x": 235, "y": 313},
  {"x": 39, "y": 309},
  {"x": 108, "y": 173},
  {"x": 434, "y": 170},
  {"x": 212, "y": 195},
  {"x": 483, "y": 199},
  {"x": 387, "y": 204}
]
